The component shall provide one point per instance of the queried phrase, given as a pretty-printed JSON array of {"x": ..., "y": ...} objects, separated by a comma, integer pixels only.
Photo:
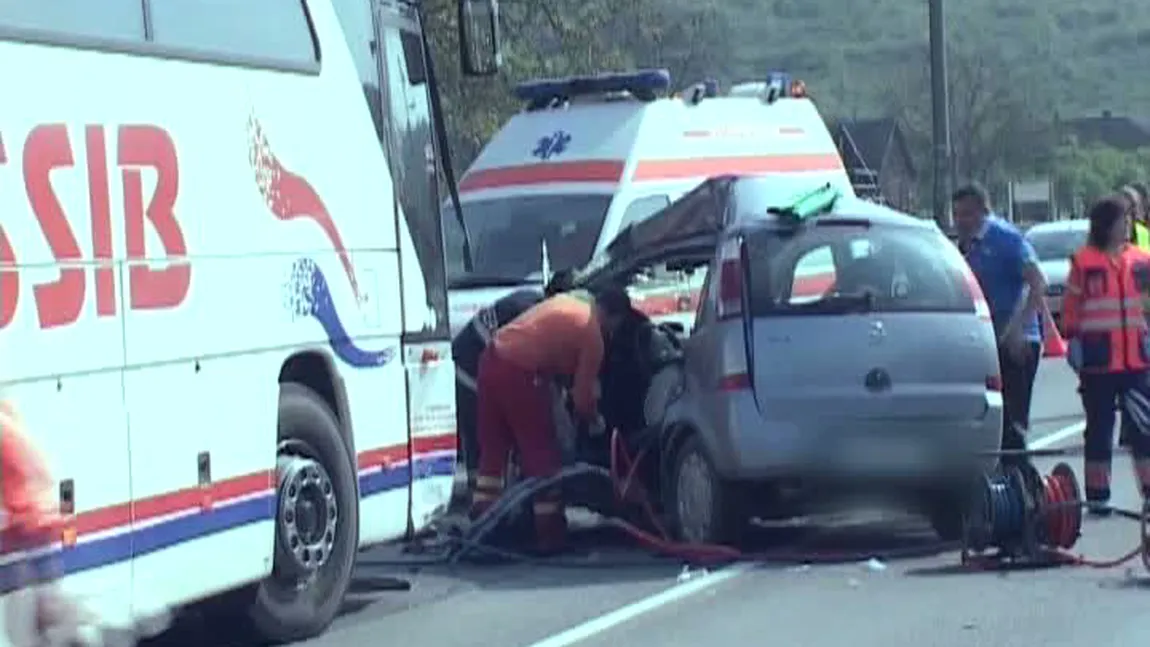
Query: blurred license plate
[{"x": 879, "y": 452}]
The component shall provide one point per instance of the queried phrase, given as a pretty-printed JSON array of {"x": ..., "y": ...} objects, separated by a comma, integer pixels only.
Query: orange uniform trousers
[{"x": 514, "y": 415}]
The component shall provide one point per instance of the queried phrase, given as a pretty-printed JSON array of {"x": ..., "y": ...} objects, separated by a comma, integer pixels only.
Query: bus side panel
[
  {"x": 67, "y": 386},
  {"x": 431, "y": 389},
  {"x": 374, "y": 381},
  {"x": 202, "y": 411}
]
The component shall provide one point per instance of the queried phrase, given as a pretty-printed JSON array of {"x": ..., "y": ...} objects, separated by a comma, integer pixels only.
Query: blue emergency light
[{"x": 644, "y": 84}]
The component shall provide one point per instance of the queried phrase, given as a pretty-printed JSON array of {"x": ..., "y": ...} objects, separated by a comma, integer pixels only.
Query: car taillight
[
  {"x": 974, "y": 291},
  {"x": 994, "y": 383},
  {"x": 735, "y": 382},
  {"x": 730, "y": 301}
]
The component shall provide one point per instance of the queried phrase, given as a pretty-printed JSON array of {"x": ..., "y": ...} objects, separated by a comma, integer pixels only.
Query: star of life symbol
[{"x": 551, "y": 145}]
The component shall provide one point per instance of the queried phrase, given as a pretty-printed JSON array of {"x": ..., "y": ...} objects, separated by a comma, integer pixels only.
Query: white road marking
[
  {"x": 623, "y": 614},
  {"x": 629, "y": 612},
  {"x": 1059, "y": 435}
]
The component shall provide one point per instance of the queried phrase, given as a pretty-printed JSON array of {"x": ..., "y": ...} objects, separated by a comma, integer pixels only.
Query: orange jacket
[
  {"x": 1103, "y": 308},
  {"x": 560, "y": 336},
  {"x": 25, "y": 485}
]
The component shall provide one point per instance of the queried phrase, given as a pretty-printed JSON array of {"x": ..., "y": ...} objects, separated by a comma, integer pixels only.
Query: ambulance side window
[{"x": 643, "y": 208}]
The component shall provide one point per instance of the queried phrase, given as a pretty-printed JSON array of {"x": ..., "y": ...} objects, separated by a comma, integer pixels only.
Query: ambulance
[{"x": 588, "y": 156}]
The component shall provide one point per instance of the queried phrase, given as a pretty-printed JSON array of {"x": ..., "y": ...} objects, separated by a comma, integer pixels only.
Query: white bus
[{"x": 223, "y": 310}]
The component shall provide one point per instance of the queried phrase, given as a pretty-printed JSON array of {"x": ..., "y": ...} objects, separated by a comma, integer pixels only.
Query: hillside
[{"x": 1074, "y": 57}]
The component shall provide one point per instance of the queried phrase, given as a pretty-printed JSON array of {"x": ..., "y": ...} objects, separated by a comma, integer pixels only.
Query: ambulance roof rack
[
  {"x": 645, "y": 85},
  {"x": 808, "y": 205},
  {"x": 778, "y": 85}
]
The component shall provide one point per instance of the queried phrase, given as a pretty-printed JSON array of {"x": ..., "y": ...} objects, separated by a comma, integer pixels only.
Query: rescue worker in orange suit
[
  {"x": 39, "y": 609},
  {"x": 1139, "y": 205},
  {"x": 468, "y": 346},
  {"x": 1110, "y": 344},
  {"x": 563, "y": 336},
  {"x": 25, "y": 484}
]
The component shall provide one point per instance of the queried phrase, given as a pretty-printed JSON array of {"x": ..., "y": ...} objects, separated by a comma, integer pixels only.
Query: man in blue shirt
[{"x": 1008, "y": 273}]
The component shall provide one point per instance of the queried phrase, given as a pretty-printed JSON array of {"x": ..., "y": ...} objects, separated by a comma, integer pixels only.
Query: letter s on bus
[{"x": 58, "y": 303}]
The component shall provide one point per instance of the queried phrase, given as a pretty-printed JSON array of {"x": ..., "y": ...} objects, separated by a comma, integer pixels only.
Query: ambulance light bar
[
  {"x": 777, "y": 86},
  {"x": 644, "y": 84}
]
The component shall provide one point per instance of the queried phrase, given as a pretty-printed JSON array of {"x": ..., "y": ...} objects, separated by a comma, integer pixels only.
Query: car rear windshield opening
[{"x": 838, "y": 269}]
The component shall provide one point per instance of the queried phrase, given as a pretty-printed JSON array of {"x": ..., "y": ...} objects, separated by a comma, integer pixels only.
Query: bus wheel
[{"x": 317, "y": 522}]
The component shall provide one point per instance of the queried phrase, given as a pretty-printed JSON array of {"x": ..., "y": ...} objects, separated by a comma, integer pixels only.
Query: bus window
[
  {"x": 266, "y": 29},
  {"x": 114, "y": 19},
  {"x": 359, "y": 28},
  {"x": 411, "y": 151}
]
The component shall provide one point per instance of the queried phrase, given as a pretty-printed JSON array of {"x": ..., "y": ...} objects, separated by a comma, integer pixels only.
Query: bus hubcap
[{"x": 307, "y": 516}]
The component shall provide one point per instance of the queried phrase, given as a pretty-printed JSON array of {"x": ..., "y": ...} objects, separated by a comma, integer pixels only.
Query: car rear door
[{"x": 865, "y": 326}]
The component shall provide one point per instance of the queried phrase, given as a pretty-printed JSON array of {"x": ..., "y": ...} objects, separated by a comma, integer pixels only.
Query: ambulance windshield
[{"x": 507, "y": 236}]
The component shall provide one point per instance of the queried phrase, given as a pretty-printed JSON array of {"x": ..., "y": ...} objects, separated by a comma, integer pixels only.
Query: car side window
[
  {"x": 114, "y": 19},
  {"x": 266, "y": 29},
  {"x": 813, "y": 274},
  {"x": 642, "y": 208}
]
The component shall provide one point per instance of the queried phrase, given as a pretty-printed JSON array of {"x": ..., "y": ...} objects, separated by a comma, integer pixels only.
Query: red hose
[{"x": 1062, "y": 509}]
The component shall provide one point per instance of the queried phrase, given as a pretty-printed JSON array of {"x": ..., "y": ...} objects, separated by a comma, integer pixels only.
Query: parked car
[
  {"x": 843, "y": 353},
  {"x": 1054, "y": 243}
]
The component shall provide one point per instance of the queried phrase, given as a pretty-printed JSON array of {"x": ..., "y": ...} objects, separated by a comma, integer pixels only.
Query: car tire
[
  {"x": 946, "y": 511},
  {"x": 314, "y": 458},
  {"x": 702, "y": 507}
]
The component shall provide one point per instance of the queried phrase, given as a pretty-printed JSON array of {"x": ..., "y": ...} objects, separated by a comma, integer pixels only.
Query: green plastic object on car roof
[{"x": 808, "y": 205}]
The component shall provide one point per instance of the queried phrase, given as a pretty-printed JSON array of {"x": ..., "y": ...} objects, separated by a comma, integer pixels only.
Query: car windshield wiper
[{"x": 489, "y": 281}]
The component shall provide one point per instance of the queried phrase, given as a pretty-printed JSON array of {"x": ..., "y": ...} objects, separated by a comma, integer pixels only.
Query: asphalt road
[{"x": 924, "y": 600}]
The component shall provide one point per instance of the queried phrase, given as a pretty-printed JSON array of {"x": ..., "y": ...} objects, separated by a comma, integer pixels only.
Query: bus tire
[{"x": 314, "y": 474}]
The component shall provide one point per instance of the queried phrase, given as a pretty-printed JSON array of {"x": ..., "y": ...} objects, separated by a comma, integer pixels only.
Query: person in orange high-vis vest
[
  {"x": 563, "y": 336},
  {"x": 30, "y": 515},
  {"x": 1110, "y": 344}
]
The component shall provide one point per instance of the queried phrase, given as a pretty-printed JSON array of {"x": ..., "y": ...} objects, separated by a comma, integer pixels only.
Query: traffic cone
[{"x": 1053, "y": 345}]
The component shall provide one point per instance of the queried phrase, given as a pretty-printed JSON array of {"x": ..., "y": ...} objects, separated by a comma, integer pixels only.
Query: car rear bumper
[{"x": 835, "y": 450}]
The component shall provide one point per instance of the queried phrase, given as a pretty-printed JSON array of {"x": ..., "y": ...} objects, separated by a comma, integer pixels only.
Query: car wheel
[
  {"x": 703, "y": 508},
  {"x": 317, "y": 523},
  {"x": 946, "y": 512}
]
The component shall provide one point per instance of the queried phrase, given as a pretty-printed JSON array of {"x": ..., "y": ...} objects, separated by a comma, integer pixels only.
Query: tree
[
  {"x": 554, "y": 38},
  {"x": 1086, "y": 173},
  {"x": 997, "y": 132}
]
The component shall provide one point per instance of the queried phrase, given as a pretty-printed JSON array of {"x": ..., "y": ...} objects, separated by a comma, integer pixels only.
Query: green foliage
[
  {"x": 1012, "y": 67},
  {"x": 1084, "y": 174}
]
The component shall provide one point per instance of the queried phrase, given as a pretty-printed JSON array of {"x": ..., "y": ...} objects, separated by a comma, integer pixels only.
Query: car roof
[
  {"x": 1075, "y": 225},
  {"x": 753, "y": 197},
  {"x": 720, "y": 207}
]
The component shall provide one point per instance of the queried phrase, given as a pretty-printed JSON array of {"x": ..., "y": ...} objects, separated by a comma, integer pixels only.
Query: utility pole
[{"x": 940, "y": 112}]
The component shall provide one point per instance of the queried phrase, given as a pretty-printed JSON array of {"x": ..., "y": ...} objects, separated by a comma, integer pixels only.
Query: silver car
[
  {"x": 844, "y": 353},
  {"x": 1054, "y": 243}
]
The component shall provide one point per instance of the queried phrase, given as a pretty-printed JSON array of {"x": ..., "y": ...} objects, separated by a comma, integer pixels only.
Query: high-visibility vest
[
  {"x": 1103, "y": 309},
  {"x": 1142, "y": 236}
]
